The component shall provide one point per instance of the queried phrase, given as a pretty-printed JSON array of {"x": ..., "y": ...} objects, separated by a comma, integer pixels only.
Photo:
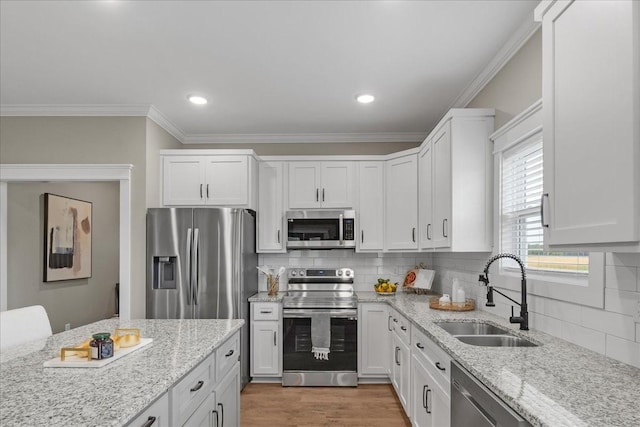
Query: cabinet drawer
[
  {"x": 438, "y": 362},
  {"x": 156, "y": 415},
  {"x": 401, "y": 326},
  {"x": 227, "y": 355},
  {"x": 191, "y": 391},
  {"x": 265, "y": 311}
]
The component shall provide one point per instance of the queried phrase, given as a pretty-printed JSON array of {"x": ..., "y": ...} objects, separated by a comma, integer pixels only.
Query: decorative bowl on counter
[{"x": 385, "y": 287}]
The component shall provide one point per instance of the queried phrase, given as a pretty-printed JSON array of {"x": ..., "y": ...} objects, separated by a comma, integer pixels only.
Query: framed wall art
[{"x": 67, "y": 240}]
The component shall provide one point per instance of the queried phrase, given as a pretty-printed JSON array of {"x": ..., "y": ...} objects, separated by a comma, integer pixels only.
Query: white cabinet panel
[
  {"x": 227, "y": 180},
  {"x": 425, "y": 198},
  {"x": 430, "y": 404},
  {"x": 370, "y": 208},
  {"x": 270, "y": 212},
  {"x": 321, "y": 184},
  {"x": 401, "y": 207},
  {"x": 227, "y": 392},
  {"x": 374, "y": 335},
  {"x": 183, "y": 181},
  {"x": 441, "y": 144},
  {"x": 265, "y": 353},
  {"x": 591, "y": 131}
]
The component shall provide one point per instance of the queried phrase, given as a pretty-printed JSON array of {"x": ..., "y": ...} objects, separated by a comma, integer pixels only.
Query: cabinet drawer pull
[
  {"x": 389, "y": 323},
  {"x": 278, "y": 236},
  {"x": 424, "y": 396},
  {"x": 266, "y": 311},
  {"x": 420, "y": 346},
  {"x": 149, "y": 422},
  {"x": 444, "y": 227},
  {"x": 544, "y": 195},
  {"x": 396, "y": 355},
  {"x": 428, "y": 231},
  {"x": 427, "y": 401},
  {"x": 229, "y": 353},
  {"x": 440, "y": 367},
  {"x": 197, "y": 386},
  {"x": 275, "y": 338},
  {"x": 403, "y": 328},
  {"x": 395, "y": 320}
]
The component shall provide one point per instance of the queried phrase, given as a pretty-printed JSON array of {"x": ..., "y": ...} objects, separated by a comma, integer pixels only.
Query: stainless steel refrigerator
[{"x": 201, "y": 264}]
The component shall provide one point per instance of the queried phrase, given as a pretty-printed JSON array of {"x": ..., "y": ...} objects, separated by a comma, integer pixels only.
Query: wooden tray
[
  {"x": 469, "y": 305},
  {"x": 82, "y": 362}
]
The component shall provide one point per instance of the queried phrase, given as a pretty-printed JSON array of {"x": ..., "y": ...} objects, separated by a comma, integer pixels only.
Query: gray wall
[
  {"x": 516, "y": 86},
  {"x": 77, "y": 302},
  {"x": 157, "y": 139},
  {"x": 114, "y": 140}
]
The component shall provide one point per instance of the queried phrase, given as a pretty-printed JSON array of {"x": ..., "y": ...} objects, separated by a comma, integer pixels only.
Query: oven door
[{"x": 300, "y": 367}]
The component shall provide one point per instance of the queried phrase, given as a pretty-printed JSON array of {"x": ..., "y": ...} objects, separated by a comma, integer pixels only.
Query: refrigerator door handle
[
  {"x": 196, "y": 264},
  {"x": 189, "y": 267}
]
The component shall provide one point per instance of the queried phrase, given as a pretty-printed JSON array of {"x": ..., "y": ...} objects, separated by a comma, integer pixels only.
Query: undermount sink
[
  {"x": 484, "y": 334},
  {"x": 495, "y": 341},
  {"x": 472, "y": 328}
]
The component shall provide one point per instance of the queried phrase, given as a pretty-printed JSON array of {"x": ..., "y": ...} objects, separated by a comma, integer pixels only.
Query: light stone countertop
[
  {"x": 554, "y": 384},
  {"x": 264, "y": 297},
  {"x": 32, "y": 395}
]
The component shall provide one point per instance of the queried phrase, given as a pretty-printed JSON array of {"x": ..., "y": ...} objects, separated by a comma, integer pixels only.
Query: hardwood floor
[{"x": 367, "y": 405}]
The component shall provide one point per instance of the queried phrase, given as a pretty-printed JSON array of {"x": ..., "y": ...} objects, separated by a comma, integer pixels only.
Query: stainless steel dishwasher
[{"x": 473, "y": 404}]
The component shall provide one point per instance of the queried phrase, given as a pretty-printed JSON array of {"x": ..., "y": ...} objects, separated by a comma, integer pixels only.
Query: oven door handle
[{"x": 305, "y": 313}]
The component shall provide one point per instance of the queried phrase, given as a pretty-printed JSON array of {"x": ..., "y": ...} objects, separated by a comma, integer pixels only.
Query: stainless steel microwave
[{"x": 321, "y": 229}]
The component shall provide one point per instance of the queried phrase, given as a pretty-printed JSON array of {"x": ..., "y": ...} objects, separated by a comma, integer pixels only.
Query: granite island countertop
[
  {"x": 554, "y": 384},
  {"x": 32, "y": 395}
]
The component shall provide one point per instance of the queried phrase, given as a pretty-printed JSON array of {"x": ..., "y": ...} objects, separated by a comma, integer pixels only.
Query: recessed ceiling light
[
  {"x": 365, "y": 98},
  {"x": 198, "y": 100}
]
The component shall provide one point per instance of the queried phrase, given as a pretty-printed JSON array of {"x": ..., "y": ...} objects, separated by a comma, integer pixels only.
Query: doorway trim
[{"x": 69, "y": 173}]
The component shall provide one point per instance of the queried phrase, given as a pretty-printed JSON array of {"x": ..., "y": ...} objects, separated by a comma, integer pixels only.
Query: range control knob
[
  {"x": 293, "y": 273},
  {"x": 302, "y": 273},
  {"x": 339, "y": 272},
  {"x": 347, "y": 273}
]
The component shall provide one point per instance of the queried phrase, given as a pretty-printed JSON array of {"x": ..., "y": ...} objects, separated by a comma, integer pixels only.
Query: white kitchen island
[{"x": 182, "y": 351}]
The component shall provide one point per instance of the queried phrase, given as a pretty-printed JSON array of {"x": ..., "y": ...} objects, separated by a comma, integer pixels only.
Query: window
[{"x": 521, "y": 231}]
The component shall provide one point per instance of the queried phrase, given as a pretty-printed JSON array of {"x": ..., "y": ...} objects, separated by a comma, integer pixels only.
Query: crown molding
[
  {"x": 294, "y": 138},
  {"x": 166, "y": 124},
  {"x": 504, "y": 55},
  {"x": 77, "y": 110}
]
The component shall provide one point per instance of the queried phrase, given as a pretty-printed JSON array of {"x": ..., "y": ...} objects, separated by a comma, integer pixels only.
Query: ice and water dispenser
[{"x": 165, "y": 272}]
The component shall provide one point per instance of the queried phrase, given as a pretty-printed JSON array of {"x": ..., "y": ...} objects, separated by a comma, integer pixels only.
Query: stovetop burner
[{"x": 320, "y": 288}]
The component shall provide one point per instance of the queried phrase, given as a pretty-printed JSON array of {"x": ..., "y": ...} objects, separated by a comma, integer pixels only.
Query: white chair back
[{"x": 23, "y": 325}]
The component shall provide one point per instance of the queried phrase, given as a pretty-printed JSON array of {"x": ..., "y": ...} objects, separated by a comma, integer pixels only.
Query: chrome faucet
[{"x": 523, "y": 319}]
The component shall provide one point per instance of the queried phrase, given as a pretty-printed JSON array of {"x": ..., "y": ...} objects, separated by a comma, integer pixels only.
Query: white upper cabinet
[
  {"x": 208, "y": 177},
  {"x": 370, "y": 208},
  {"x": 456, "y": 183},
  {"x": 321, "y": 184},
  {"x": 401, "y": 207},
  {"x": 271, "y": 228},
  {"x": 591, "y": 124}
]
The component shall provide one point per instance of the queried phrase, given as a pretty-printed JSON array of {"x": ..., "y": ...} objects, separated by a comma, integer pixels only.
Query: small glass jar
[{"x": 101, "y": 346}]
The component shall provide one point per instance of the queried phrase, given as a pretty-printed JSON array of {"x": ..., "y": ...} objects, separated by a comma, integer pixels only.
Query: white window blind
[{"x": 521, "y": 231}]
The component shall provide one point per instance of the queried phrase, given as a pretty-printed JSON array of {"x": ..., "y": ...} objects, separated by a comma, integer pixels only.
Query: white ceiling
[{"x": 290, "y": 68}]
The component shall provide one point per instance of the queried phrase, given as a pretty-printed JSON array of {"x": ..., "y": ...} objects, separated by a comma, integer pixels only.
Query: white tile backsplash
[
  {"x": 368, "y": 267},
  {"x": 611, "y": 331}
]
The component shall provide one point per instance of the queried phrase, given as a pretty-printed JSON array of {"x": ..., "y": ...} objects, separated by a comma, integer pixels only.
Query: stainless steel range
[{"x": 320, "y": 309}]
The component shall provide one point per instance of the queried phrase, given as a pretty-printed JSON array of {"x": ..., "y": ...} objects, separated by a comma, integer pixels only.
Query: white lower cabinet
[
  {"x": 187, "y": 395},
  {"x": 204, "y": 415},
  {"x": 430, "y": 383},
  {"x": 156, "y": 415},
  {"x": 266, "y": 346},
  {"x": 401, "y": 369},
  {"x": 227, "y": 411},
  {"x": 373, "y": 334}
]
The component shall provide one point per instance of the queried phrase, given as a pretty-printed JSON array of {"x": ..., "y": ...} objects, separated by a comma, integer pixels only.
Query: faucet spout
[{"x": 523, "y": 319}]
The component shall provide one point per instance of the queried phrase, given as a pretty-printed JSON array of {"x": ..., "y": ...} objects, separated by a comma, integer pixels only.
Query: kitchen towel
[{"x": 320, "y": 335}]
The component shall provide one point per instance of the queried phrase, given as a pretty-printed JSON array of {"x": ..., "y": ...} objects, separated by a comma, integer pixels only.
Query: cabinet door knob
[
  {"x": 413, "y": 234},
  {"x": 440, "y": 367},
  {"x": 444, "y": 227},
  {"x": 229, "y": 353},
  {"x": 207, "y": 191},
  {"x": 221, "y": 413},
  {"x": 275, "y": 338},
  {"x": 149, "y": 422},
  {"x": 403, "y": 328},
  {"x": 278, "y": 236},
  {"x": 420, "y": 346},
  {"x": 424, "y": 396},
  {"x": 323, "y": 194},
  {"x": 428, "y": 231},
  {"x": 201, "y": 191},
  {"x": 317, "y": 197},
  {"x": 362, "y": 236},
  {"x": 427, "y": 401}
]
